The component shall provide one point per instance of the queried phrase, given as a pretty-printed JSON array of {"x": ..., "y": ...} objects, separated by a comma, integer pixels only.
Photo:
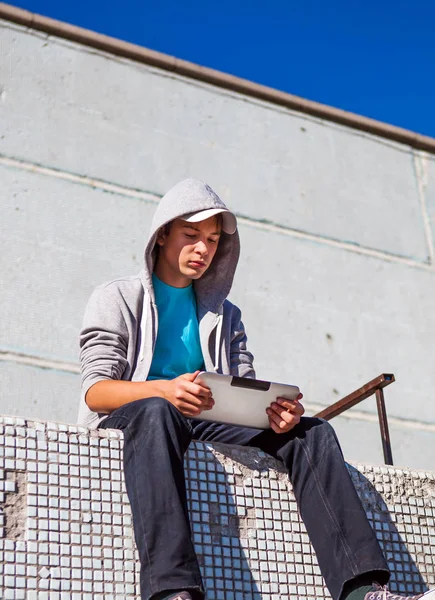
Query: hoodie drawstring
[
  {"x": 219, "y": 325},
  {"x": 142, "y": 325},
  {"x": 218, "y": 340}
]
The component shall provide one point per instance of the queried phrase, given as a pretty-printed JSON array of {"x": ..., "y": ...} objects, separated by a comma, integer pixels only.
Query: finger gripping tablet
[{"x": 243, "y": 401}]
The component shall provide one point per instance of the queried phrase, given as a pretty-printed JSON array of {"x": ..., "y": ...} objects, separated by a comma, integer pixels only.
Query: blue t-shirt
[{"x": 177, "y": 349}]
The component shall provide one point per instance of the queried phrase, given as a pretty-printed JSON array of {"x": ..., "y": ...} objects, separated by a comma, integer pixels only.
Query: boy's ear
[{"x": 161, "y": 235}]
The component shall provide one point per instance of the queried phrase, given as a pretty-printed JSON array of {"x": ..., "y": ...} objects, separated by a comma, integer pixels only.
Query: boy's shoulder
[
  {"x": 230, "y": 309},
  {"x": 128, "y": 289},
  {"x": 126, "y": 282}
]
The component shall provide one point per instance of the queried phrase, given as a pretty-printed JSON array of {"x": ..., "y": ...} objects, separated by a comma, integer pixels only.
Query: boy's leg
[
  {"x": 345, "y": 544},
  {"x": 156, "y": 436}
]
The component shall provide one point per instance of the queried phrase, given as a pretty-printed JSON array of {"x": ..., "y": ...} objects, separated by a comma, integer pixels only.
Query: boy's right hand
[{"x": 190, "y": 397}]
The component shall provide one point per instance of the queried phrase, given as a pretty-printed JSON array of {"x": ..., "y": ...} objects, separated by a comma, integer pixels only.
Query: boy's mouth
[{"x": 197, "y": 264}]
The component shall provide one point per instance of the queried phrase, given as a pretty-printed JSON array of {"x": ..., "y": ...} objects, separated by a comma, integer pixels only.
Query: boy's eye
[
  {"x": 192, "y": 236},
  {"x": 212, "y": 241}
]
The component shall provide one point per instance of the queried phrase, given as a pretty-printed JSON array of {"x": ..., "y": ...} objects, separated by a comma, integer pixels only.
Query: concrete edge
[
  {"x": 115, "y": 434},
  {"x": 213, "y": 77}
]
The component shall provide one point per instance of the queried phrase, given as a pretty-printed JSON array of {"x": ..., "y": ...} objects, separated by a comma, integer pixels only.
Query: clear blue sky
[{"x": 372, "y": 57}]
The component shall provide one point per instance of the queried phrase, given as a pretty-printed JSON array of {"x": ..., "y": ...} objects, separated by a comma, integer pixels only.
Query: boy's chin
[{"x": 193, "y": 273}]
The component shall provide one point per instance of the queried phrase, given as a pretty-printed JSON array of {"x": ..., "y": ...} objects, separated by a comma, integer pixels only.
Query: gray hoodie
[{"x": 121, "y": 321}]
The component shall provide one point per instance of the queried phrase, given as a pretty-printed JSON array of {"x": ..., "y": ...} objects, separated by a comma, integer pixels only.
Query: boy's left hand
[{"x": 285, "y": 414}]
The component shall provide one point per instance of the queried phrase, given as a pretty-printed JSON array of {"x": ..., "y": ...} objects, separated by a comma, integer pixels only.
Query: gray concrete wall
[{"x": 336, "y": 279}]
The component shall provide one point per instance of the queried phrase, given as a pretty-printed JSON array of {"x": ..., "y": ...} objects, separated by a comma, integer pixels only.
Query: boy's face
[{"x": 186, "y": 252}]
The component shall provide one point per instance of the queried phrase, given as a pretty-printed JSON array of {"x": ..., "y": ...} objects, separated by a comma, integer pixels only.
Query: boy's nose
[{"x": 201, "y": 248}]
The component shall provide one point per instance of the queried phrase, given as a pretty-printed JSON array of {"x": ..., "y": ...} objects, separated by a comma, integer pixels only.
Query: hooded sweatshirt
[{"x": 121, "y": 319}]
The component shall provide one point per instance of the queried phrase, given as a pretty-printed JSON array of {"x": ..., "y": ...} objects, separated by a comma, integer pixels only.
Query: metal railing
[{"x": 376, "y": 386}]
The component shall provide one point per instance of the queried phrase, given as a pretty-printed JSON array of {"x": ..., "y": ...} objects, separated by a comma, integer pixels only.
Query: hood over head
[{"x": 186, "y": 199}]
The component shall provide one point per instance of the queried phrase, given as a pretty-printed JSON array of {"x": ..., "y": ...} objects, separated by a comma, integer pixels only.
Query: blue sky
[{"x": 372, "y": 57}]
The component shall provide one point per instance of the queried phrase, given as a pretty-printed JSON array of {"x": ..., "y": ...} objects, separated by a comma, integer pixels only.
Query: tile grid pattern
[{"x": 65, "y": 521}]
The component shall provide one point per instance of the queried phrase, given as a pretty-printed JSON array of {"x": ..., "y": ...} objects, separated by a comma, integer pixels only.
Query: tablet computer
[{"x": 243, "y": 401}]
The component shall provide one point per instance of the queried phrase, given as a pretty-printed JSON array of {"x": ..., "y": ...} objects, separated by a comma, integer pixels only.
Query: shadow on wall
[
  {"x": 405, "y": 574},
  {"x": 221, "y": 528},
  {"x": 252, "y": 528},
  {"x": 255, "y": 543}
]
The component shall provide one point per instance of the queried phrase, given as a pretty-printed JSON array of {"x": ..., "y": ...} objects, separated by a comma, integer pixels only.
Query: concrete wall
[
  {"x": 336, "y": 278},
  {"x": 65, "y": 521}
]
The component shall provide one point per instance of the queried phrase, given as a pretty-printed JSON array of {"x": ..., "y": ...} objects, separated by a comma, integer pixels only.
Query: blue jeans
[{"x": 156, "y": 436}]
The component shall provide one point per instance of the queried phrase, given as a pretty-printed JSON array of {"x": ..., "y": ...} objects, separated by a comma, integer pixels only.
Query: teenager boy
[{"x": 144, "y": 341}]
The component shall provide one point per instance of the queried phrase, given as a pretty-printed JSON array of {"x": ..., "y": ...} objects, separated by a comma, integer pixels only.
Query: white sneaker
[{"x": 383, "y": 593}]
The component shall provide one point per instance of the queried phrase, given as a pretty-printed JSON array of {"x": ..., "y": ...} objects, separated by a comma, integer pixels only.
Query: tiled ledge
[{"x": 65, "y": 521}]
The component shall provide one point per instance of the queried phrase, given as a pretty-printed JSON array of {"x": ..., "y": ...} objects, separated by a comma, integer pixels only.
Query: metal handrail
[{"x": 375, "y": 386}]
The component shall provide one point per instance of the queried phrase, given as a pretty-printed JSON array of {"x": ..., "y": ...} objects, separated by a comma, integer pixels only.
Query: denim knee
[
  {"x": 325, "y": 428},
  {"x": 153, "y": 414},
  {"x": 320, "y": 428},
  {"x": 321, "y": 435},
  {"x": 152, "y": 411}
]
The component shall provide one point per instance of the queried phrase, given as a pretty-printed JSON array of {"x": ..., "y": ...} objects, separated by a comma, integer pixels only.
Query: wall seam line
[
  {"x": 79, "y": 179},
  {"x": 348, "y": 246},
  {"x": 57, "y": 365},
  {"x": 248, "y": 221},
  {"x": 420, "y": 166},
  {"x": 360, "y": 415},
  {"x": 37, "y": 361},
  {"x": 222, "y": 91}
]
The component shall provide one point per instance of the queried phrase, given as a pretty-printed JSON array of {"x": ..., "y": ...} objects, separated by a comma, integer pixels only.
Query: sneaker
[{"x": 382, "y": 593}]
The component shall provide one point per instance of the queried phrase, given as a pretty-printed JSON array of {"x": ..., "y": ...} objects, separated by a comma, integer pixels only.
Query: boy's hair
[{"x": 218, "y": 220}]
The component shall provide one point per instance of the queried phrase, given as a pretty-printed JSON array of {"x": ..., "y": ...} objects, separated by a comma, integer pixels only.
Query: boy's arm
[
  {"x": 103, "y": 339},
  {"x": 241, "y": 360},
  {"x": 188, "y": 397},
  {"x": 103, "y": 355}
]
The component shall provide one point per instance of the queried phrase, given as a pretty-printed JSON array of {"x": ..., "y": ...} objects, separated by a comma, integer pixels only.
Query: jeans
[{"x": 156, "y": 436}]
